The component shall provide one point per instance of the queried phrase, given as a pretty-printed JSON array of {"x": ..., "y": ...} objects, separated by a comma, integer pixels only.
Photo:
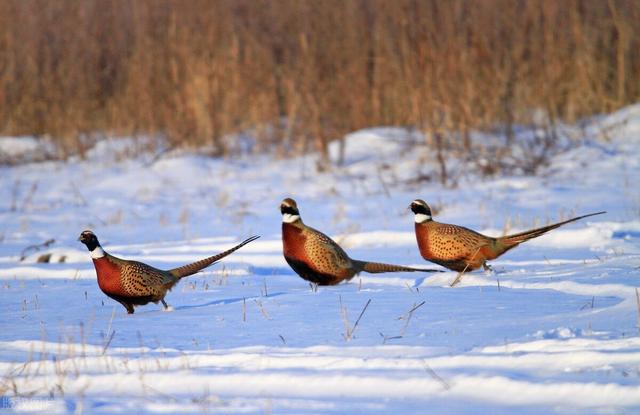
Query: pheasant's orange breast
[
  {"x": 108, "y": 276},
  {"x": 293, "y": 240},
  {"x": 422, "y": 235}
]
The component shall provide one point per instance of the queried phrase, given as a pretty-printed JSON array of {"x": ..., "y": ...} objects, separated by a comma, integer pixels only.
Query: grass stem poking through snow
[
  {"x": 437, "y": 377},
  {"x": 417, "y": 290},
  {"x": 461, "y": 273},
  {"x": 28, "y": 200},
  {"x": 349, "y": 331},
  {"x": 106, "y": 346},
  {"x": 638, "y": 306},
  {"x": 589, "y": 304},
  {"x": 15, "y": 191},
  {"x": 262, "y": 309},
  {"x": 386, "y": 338},
  {"x": 109, "y": 332},
  {"x": 244, "y": 309},
  {"x": 407, "y": 317}
]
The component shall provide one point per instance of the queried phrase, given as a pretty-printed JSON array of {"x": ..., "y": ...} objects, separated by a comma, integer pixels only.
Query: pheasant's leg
[
  {"x": 167, "y": 307},
  {"x": 126, "y": 305}
]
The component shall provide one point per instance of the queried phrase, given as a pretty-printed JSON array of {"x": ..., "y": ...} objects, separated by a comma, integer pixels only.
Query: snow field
[{"x": 554, "y": 329}]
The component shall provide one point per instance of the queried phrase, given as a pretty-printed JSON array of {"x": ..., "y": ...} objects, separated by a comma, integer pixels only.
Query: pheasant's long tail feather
[
  {"x": 515, "y": 239},
  {"x": 190, "y": 269},
  {"x": 378, "y": 267}
]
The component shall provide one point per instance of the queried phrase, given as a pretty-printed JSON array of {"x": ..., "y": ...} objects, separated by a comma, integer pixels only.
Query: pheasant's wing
[
  {"x": 141, "y": 279},
  {"x": 453, "y": 242},
  {"x": 325, "y": 253}
]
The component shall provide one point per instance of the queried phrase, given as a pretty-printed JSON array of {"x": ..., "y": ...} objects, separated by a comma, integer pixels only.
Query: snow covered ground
[{"x": 555, "y": 329}]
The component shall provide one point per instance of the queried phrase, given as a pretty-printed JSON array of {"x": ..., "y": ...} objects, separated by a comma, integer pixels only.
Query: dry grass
[
  {"x": 638, "y": 307},
  {"x": 349, "y": 330},
  {"x": 299, "y": 73}
]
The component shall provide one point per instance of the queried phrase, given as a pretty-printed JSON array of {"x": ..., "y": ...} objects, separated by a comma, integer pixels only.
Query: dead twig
[
  {"x": 638, "y": 305},
  {"x": 262, "y": 309},
  {"x": 407, "y": 317},
  {"x": 437, "y": 377},
  {"x": 386, "y": 338},
  {"x": 244, "y": 309},
  {"x": 349, "y": 331},
  {"x": 461, "y": 273},
  {"x": 106, "y": 346}
]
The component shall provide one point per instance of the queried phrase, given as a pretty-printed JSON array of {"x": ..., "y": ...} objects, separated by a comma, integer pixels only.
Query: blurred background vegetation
[{"x": 299, "y": 73}]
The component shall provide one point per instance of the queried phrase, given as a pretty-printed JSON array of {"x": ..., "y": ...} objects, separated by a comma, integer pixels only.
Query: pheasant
[
  {"x": 133, "y": 283},
  {"x": 317, "y": 258},
  {"x": 461, "y": 249}
]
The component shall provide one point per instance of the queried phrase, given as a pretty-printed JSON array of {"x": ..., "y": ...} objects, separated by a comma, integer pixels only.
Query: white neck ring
[
  {"x": 289, "y": 218},
  {"x": 421, "y": 217},
  {"x": 98, "y": 252}
]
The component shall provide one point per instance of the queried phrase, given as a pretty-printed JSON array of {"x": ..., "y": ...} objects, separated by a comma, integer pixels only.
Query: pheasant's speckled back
[
  {"x": 452, "y": 241},
  {"x": 452, "y": 246},
  {"x": 140, "y": 279},
  {"x": 325, "y": 254}
]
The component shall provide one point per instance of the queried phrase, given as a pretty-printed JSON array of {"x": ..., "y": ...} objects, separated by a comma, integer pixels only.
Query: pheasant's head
[
  {"x": 421, "y": 210},
  {"x": 289, "y": 210},
  {"x": 91, "y": 242}
]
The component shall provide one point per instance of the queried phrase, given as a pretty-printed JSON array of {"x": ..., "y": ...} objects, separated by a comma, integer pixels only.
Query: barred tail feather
[
  {"x": 378, "y": 267},
  {"x": 515, "y": 239},
  {"x": 190, "y": 269}
]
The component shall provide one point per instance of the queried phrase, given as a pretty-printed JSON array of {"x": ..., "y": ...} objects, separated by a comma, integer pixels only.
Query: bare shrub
[{"x": 197, "y": 71}]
